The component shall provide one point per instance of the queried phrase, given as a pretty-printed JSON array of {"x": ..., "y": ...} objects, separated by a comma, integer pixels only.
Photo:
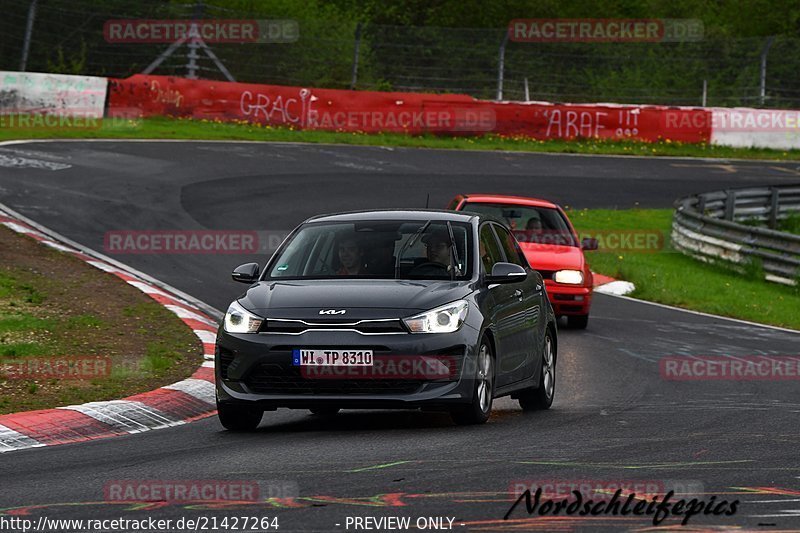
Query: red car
[{"x": 551, "y": 245}]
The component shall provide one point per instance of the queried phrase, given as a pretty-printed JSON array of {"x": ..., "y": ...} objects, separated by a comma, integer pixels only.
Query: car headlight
[
  {"x": 445, "y": 319},
  {"x": 240, "y": 320},
  {"x": 570, "y": 277}
]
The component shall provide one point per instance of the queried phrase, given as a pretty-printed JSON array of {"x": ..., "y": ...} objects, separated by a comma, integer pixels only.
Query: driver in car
[
  {"x": 351, "y": 257},
  {"x": 439, "y": 254}
]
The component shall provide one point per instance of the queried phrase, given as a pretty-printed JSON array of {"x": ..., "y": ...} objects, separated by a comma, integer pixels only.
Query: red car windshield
[{"x": 543, "y": 225}]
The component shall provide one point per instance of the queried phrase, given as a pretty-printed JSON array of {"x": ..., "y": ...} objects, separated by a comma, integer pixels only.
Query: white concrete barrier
[
  {"x": 52, "y": 94},
  {"x": 757, "y": 128}
]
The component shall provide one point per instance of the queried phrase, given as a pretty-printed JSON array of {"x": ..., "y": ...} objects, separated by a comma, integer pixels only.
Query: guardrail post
[
  {"x": 701, "y": 203},
  {"x": 730, "y": 204},
  {"x": 774, "y": 207}
]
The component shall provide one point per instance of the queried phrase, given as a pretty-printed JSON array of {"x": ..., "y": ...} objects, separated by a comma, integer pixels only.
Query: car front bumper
[
  {"x": 569, "y": 299},
  {"x": 257, "y": 369}
]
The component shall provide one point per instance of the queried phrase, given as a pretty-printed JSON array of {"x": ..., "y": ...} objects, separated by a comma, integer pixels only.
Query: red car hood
[{"x": 553, "y": 256}]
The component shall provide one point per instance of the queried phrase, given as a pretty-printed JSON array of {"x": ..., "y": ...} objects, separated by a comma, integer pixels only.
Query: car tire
[
  {"x": 239, "y": 418},
  {"x": 324, "y": 411},
  {"x": 577, "y": 321},
  {"x": 542, "y": 396},
  {"x": 479, "y": 410}
]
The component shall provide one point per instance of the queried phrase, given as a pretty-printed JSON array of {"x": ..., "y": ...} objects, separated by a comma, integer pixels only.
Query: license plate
[{"x": 302, "y": 357}]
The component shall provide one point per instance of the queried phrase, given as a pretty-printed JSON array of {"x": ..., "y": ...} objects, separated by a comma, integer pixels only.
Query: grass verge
[
  {"x": 669, "y": 277},
  {"x": 70, "y": 333},
  {"x": 171, "y": 128}
]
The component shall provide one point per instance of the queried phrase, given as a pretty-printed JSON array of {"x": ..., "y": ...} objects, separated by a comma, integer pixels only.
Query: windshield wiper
[
  {"x": 409, "y": 243},
  {"x": 455, "y": 271}
]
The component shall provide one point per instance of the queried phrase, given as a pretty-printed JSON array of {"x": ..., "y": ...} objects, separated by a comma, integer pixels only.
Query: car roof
[
  {"x": 397, "y": 214},
  {"x": 503, "y": 199}
]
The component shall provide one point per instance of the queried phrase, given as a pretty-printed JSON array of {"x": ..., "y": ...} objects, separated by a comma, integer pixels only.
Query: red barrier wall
[{"x": 414, "y": 113}]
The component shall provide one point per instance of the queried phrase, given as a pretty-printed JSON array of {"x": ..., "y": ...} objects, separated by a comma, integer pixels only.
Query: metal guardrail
[{"x": 709, "y": 227}]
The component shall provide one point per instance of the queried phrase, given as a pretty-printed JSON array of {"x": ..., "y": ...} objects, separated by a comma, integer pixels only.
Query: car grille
[
  {"x": 289, "y": 326},
  {"x": 280, "y": 378},
  {"x": 271, "y": 378}
]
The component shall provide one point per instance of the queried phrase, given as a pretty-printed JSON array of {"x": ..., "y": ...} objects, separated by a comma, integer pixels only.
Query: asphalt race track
[{"x": 614, "y": 418}]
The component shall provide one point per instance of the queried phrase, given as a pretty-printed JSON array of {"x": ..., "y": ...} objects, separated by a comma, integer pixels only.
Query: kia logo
[{"x": 332, "y": 312}]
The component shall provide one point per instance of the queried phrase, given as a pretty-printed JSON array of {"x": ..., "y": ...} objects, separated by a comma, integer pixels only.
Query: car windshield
[
  {"x": 541, "y": 225},
  {"x": 376, "y": 249}
]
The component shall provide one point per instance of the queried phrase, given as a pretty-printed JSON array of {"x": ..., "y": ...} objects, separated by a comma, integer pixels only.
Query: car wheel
[
  {"x": 542, "y": 396},
  {"x": 478, "y": 411},
  {"x": 239, "y": 418},
  {"x": 324, "y": 411},
  {"x": 577, "y": 321}
]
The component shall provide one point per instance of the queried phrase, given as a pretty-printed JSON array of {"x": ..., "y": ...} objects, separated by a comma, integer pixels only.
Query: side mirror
[
  {"x": 506, "y": 273},
  {"x": 589, "y": 243},
  {"x": 247, "y": 273}
]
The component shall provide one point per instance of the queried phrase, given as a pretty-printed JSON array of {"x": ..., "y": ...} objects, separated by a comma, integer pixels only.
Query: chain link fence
[{"x": 66, "y": 36}]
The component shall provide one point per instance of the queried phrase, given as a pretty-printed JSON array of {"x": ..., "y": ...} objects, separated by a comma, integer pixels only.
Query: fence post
[
  {"x": 764, "y": 52},
  {"x": 26, "y": 44},
  {"x": 730, "y": 204},
  {"x": 194, "y": 34},
  {"x": 354, "y": 78},
  {"x": 774, "y": 207},
  {"x": 501, "y": 66},
  {"x": 705, "y": 92},
  {"x": 527, "y": 92}
]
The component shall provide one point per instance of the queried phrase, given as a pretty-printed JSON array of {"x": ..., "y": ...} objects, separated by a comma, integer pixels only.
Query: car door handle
[{"x": 518, "y": 294}]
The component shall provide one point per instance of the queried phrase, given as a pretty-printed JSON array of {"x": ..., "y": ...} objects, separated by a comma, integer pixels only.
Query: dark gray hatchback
[{"x": 388, "y": 309}]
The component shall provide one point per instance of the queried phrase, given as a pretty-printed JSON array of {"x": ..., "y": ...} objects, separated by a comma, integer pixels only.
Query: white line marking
[
  {"x": 19, "y": 228},
  {"x": 106, "y": 267},
  {"x": 700, "y": 313},
  {"x": 57, "y": 246}
]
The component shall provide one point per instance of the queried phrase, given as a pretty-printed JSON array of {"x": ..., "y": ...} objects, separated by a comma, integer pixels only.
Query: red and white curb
[
  {"x": 608, "y": 285},
  {"x": 171, "y": 405}
]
